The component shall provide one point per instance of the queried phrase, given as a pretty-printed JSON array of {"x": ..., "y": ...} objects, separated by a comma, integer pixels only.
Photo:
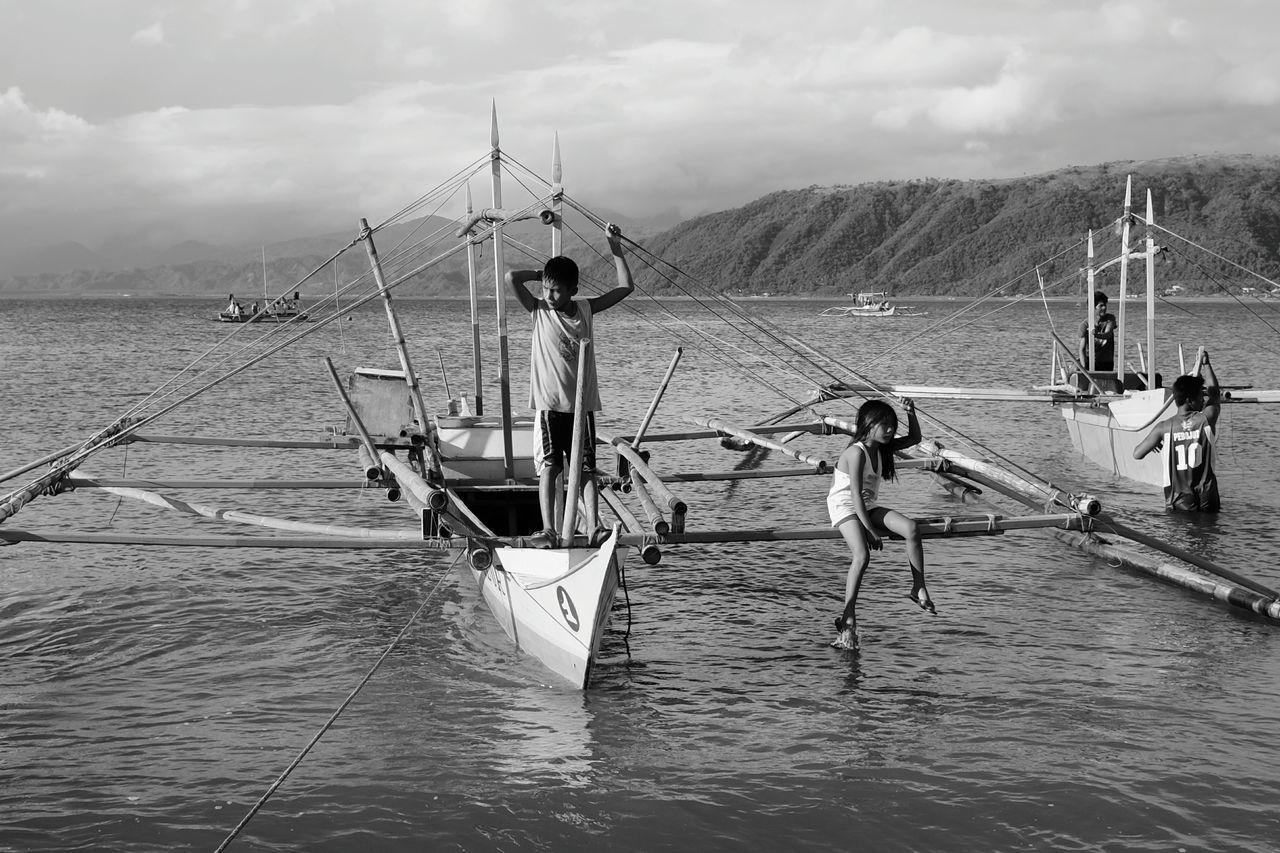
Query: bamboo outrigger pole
[
  {"x": 435, "y": 475},
  {"x": 574, "y": 475}
]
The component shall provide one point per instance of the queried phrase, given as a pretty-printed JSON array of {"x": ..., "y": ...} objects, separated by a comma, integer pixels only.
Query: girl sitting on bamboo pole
[{"x": 855, "y": 511}]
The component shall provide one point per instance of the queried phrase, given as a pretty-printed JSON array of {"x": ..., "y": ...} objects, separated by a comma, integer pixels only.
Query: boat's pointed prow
[{"x": 554, "y": 603}]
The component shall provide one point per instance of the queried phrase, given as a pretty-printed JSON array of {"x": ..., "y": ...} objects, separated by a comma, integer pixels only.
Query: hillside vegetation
[{"x": 923, "y": 236}]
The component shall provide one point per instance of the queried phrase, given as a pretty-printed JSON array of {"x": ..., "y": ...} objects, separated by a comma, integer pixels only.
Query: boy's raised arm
[
  {"x": 515, "y": 282},
  {"x": 625, "y": 283}
]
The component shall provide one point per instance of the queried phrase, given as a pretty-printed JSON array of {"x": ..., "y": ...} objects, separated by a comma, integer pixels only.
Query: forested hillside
[
  {"x": 923, "y": 236},
  {"x": 932, "y": 236}
]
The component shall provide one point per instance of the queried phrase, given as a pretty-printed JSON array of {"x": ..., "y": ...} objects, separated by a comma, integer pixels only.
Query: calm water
[{"x": 148, "y": 697}]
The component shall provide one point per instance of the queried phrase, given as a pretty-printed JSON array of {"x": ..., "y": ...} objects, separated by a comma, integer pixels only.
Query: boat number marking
[{"x": 567, "y": 609}]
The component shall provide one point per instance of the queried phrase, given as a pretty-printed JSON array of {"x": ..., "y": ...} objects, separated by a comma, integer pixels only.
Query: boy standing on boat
[
  {"x": 1104, "y": 337},
  {"x": 560, "y": 325},
  {"x": 1187, "y": 438}
]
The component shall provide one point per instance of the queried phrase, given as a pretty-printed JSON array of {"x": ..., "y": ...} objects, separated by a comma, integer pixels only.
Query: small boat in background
[
  {"x": 280, "y": 310},
  {"x": 871, "y": 304},
  {"x": 283, "y": 309}
]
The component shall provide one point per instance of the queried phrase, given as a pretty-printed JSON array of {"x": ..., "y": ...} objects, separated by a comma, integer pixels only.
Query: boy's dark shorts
[{"x": 553, "y": 440}]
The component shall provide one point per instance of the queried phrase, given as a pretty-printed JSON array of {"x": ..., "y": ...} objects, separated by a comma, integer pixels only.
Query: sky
[{"x": 151, "y": 122}]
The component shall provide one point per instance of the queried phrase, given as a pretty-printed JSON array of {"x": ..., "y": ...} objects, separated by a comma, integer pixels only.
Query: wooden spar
[
  {"x": 474, "y": 292},
  {"x": 639, "y": 466},
  {"x": 932, "y": 392},
  {"x": 760, "y": 441},
  {"x": 657, "y": 398},
  {"x": 657, "y": 523},
  {"x": 931, "y": 528},
  {"x": 416, "y": 542},
  {"x": 43, "y": 460},
  {"x": 368, "y": 451},
  {"x": 156, "y": 499},
  {"x": 434, "y": 498},
  {"x": 1106, "y": 522},
  {"x": 574, "y": 475},
  {"x": 1124, "y": 277},
  {"x": 500, "y": 303},
  {"x": 425, "y": 425},
  {"x": 1151, "y": 296},
  {"x": 1246, "y": 593},
  {"x": 649, "y": 551},
  {"x": 74, "y": 482}
]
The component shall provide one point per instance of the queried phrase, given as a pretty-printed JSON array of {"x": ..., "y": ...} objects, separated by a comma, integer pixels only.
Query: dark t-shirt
[{"x": 1104, "y": 342}]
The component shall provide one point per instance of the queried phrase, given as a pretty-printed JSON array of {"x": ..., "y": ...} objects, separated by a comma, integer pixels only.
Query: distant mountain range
[{"x": 923, "y": 236}]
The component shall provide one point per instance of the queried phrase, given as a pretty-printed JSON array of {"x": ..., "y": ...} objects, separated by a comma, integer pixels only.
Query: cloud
[{"x": 150, "y": 36}]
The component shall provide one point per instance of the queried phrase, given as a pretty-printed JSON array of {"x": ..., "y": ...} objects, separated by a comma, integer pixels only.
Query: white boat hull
[
  {"x": 1107, "y": 434},
  {"x": 554, "y": 604}
]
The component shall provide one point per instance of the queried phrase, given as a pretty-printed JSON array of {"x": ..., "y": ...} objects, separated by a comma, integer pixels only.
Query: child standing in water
[{"x": 853, "y": 503}]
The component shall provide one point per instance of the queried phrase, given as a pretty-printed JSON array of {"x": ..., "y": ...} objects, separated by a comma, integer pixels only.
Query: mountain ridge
[{"x": 923, "y": 236}]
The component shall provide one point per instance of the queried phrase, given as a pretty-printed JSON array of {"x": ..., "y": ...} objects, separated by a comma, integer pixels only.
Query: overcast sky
[{"x": 248, "y": 121}]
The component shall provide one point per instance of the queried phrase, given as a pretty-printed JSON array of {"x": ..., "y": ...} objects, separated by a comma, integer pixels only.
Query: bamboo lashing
[
  {"x": 573, "y": 477},
  {"x": 43, "y": 460},
  {"x": 760, "y": 441}
]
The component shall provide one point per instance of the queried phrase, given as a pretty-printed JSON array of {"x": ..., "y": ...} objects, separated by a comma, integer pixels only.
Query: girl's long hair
[{"x": 872, "y": 414}]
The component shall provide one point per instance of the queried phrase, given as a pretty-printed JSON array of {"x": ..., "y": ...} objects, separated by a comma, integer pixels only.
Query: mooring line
[{"x": 262, "y": 801}]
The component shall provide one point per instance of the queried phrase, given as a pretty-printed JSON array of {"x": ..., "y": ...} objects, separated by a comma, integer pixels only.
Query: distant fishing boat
[
  {"x": 282, "y": 309},
  {"x": 872, "y": 304}
]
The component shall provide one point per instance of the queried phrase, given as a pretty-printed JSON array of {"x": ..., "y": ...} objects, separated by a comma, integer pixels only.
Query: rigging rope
[{"x": 333, "y": 718}]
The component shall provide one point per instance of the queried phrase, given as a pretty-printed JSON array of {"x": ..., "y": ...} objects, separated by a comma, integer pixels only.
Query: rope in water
[{"x": 262, "y": 801}]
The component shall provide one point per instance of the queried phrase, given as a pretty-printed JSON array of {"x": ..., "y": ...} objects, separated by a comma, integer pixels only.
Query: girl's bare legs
[
  {"x": 855, "y": 538},
  {"x": 906, "y": 528}
]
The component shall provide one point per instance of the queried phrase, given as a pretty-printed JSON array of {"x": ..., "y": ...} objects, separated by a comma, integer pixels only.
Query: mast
[
  {"x": 557, "y": 199},
  {"x": 478, "y": 408},
  {"x": 499, "y": 273},
  {"x": 1088, "y": 308},
  {"x": 1124, "y": 277},
  {"x": 1151, "y": 296}
]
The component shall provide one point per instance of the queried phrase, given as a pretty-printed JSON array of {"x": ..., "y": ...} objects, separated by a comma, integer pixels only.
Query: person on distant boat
[
  {"x": 1187, "y": 440},
  {"x": 853, "y": 504},
  {"x": 560, "y": 324},
  {"x": 233, "y": 308},
  {"x": 1104, "y": 336}
]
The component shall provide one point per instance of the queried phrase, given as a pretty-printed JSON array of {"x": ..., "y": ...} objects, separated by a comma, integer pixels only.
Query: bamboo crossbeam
[
  {"x": 75, "y": 482},
  {"x": 335, "y": 443},
  {"x": 657, "y": 398},
  {"x": 367, "y": 450},
  {"x": 698, "y": 435},
  {"x": 760, "y": 441},
  {"x": 414, "y": 541},
  {"x": 930, "y": 528},
  {"x": 933, "y": 392}
]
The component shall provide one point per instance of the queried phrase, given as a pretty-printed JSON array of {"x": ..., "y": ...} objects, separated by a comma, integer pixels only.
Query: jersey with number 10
[{"x": 1189, "y": 480}]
